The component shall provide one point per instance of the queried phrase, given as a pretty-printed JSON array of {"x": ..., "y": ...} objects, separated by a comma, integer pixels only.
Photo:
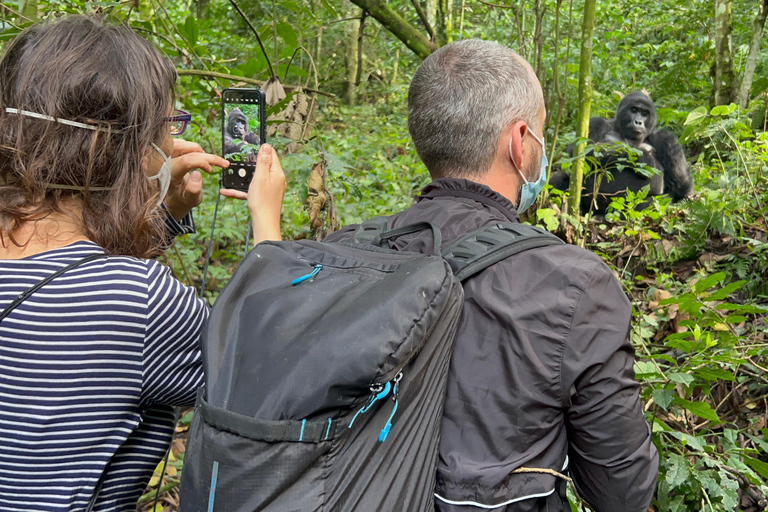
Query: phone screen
[{"x": 243, "y": 132}]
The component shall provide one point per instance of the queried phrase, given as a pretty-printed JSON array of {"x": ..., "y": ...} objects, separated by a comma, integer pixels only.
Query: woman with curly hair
[{"x": 98, "y": 342}]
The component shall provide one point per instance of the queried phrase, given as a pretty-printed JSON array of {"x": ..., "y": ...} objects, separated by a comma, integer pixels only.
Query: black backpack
[{"x": 326, "y": 367}]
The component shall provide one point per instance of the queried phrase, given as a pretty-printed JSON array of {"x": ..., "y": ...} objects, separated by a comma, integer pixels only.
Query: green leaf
[
  {"x": 288, "y": 34},
  {"x": 678, "y": 470},
  {"x": 759, "y": 466},
  {"x": 696, "y": 116},
  {"x": 291, "y": 6},
  {"x": 708, "y": 282},
  {"x": 723, "y": 110},
  {"x": 713, "y": 374},
  {"x": 700, "y": 409},
  {"x": 682, "y": 378},
  {"x": 663, "y": 397},
  {"x": 726, "y": 290},
  {"x": 329, "y": 8},
  {"x": 191, "y": 30},
  {"x": 549, "y": 217}
]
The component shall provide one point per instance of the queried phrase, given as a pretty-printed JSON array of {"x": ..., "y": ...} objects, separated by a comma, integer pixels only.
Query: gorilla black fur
[
  {"x": 237, "y": 128},
  {"x": 634, "y": 125}
]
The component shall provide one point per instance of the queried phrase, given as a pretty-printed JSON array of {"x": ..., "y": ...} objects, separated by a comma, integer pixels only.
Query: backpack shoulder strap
[
  {"x": 493, "y": 243},
  {"x": 24, "y": 296},
  {"x": 368, "y": 232},
  {"x": 474, "y": 252}
]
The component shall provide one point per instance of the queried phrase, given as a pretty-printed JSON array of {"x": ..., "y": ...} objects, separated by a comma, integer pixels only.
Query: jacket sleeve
[{"x": 614, "y": 463}]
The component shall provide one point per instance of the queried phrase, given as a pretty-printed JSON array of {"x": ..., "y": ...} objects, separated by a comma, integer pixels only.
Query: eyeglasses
[{"x": 179, "y": 121}]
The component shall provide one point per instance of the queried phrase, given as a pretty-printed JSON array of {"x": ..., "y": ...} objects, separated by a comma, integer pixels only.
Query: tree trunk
[
  {"x": 444, "y": 22},
  {"x": 201, "y": 9},
  {"x": 431, "y": 12},
  {"x": 754, "y": 49},
  {"x": 399, "y": 27},
  {"x": 723, "y": 86},
  {"x": 352, "y": 62},
  {"x": 538, "y": 38},
  {"x": 585, "y": 104}
]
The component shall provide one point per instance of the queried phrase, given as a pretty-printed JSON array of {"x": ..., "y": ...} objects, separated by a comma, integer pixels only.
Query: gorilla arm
[{"x": 678, "y": 183}]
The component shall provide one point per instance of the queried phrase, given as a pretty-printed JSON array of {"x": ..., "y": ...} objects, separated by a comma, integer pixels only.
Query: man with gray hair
[{"x": 541, "y": 381}]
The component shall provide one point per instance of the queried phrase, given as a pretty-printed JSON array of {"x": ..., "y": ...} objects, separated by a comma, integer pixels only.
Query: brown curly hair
[{"x": 80, "y": 69}]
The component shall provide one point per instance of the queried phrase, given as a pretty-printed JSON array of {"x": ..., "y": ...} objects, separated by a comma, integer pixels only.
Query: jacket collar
[{"x": 453, "y": 187}]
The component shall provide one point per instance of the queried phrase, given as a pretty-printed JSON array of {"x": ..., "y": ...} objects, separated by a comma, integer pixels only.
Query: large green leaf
[
  {"x": 759, "y": 466},
  {"x": 700, "y": 409},
  {"x": 191, "y": 30},
  {"x": 678, "y": 470},
  {"x": 288, "y": 34}
]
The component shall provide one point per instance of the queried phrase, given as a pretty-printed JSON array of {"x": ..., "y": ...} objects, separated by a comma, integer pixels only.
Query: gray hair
[{"x": 461, "y": 99}]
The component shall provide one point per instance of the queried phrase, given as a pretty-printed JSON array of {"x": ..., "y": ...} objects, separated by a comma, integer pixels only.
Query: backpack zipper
[
  {"x": 311, "y": 275},
  {"x": 380, "y": 392}
]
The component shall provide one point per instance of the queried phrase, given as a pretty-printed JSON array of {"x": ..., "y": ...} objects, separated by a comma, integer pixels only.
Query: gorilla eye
[{"x": 633, "y": 110}]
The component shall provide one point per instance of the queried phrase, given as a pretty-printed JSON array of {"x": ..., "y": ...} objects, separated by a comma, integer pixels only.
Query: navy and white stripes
[{"x": 91, "y": 366}]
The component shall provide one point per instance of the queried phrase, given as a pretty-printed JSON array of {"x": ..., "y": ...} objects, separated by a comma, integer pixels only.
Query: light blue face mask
[{"x": 530, "y": 191}]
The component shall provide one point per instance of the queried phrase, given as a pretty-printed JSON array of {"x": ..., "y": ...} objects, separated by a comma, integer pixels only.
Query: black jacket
[{"x": 541, "y": 376}]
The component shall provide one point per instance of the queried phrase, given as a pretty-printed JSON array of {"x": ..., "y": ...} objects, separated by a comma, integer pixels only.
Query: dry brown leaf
[
  {"x": 317, "y": 197},
  {"x": 274, "y": 91}
]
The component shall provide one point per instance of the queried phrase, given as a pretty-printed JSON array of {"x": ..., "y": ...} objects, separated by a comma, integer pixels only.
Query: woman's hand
[
  {"x": 186, "y": 189},
  {"x": 265, "y": 195}
]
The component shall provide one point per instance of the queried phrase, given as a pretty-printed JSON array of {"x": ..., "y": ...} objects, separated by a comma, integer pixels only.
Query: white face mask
[{"x": 164, "y": 174}]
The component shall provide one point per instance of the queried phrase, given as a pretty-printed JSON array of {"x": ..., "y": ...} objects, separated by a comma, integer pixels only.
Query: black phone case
[{"x": 238, "y": 175}]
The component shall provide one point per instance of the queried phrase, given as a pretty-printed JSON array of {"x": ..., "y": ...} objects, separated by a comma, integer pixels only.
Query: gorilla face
[
  {"x": 636, "y": 117},
  {"x": 237, "y": 124}
]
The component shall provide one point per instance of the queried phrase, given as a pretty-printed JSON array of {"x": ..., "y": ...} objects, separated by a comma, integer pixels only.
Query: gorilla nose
[{"x": 639, "y": 123}]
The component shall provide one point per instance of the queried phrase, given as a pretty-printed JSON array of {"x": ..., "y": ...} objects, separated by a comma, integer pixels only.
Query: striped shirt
[{"x": 91, "y": 366}]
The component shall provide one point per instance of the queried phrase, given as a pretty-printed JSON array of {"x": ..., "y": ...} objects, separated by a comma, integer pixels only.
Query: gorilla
[
  {"x": 237, "y": 129},
  {"x": 634, "y": 125}
]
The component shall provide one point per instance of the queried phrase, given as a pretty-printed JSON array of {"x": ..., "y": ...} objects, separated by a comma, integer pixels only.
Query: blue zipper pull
[
  {"x": 385, "y": 431},
  {"x": 312, "y": 274},
  {"x": 379, "y": 392}
]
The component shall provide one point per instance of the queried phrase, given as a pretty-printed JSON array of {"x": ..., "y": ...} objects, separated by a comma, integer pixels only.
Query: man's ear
[{"x": 517, "y": 133}]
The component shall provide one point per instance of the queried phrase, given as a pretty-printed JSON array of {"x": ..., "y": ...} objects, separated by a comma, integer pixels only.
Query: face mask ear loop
[{"x": 514, "y": 164}]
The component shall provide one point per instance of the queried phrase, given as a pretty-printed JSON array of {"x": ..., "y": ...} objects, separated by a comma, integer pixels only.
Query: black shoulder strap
[
  {"x": 493, "y": 243},
  {"x": 368, "y": 232},
  {"x": 473, "y": 253},
  {"x": 374, "y": 232},
  {"x": 24, "y": 296}
]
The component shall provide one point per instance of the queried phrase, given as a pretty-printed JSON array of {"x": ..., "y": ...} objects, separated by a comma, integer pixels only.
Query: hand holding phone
[
  {"x": 265, "y": 195},
  {"x": 243, "y": 131}
]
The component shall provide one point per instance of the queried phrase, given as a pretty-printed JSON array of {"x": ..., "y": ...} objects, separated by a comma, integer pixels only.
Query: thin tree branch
[
  {"x": 489, "y": 4},
  {"x": 235, "y": 78},
  {"x": 423, "y": 18},
  {"x": 253, "y": 29}
]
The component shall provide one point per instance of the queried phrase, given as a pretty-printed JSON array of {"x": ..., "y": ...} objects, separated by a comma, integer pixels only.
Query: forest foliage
[{"x": 695, "y": 272}]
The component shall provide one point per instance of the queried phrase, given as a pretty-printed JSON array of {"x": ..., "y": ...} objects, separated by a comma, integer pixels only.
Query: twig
[
  {"x": 253, "y": 29},
  {"x": 288, "y": 67},
  {"x": 424, "y": 19},
  {"x": 235, "y": 78},
  {"x": 17, "y": 13},
  {"x": 489, "y": 4},
  {"x": 176, "y": 29}
]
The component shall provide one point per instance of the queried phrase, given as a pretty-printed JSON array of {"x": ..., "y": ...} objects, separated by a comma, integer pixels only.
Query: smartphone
[{"x": 243, "y": 131}]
